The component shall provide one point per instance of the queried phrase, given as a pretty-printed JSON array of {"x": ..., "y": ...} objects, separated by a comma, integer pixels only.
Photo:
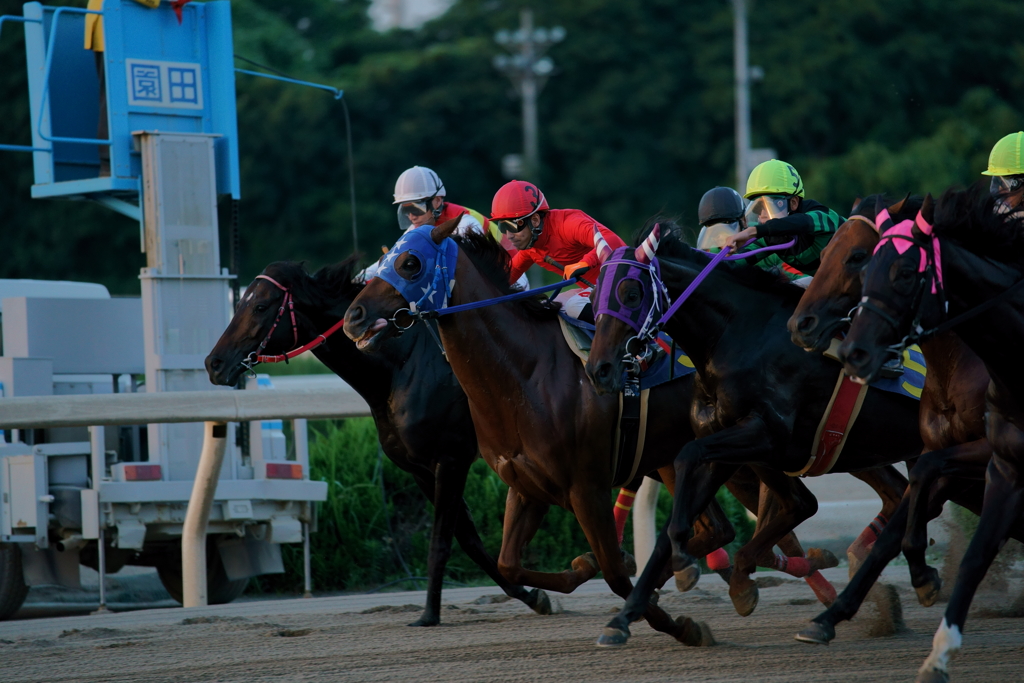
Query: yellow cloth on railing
[{"x": 94, "y": 23}]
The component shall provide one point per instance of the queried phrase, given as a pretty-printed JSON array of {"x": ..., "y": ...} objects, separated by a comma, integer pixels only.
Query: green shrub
[{"x": 361, "y": 543}]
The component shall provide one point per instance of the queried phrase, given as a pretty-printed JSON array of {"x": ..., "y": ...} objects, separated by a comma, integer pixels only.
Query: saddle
[{"x": 669, "y": 363}]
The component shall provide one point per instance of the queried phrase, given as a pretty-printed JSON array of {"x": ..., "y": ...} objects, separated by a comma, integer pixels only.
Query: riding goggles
[
  {"x": 767, "y": 207},
  {"x": 514, "y": 226},
  {"x": 716, "y": 235},
  {"x": 413, "y": 208},
  {"x": 1005, "y": 184}
]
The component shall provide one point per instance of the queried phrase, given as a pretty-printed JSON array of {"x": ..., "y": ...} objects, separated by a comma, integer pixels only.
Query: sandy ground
[{"x": 364, "y": 638}]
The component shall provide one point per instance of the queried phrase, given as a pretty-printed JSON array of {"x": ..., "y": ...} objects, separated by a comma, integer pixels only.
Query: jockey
[
  {"x": 1006, "y": 166},
  {"x": 539, "y": 232},
  {"x": 720, "y": 215},
  {"x": 779, "y": 212},
  {"x": 420, "y": 197}
]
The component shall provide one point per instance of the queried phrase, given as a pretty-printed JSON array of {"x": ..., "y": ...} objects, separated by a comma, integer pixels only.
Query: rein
[{"x": 256, "y": 357}]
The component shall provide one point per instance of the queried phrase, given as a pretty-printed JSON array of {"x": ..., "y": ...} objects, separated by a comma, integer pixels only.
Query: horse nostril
[
  {"x": 807, "y": 323},
  {"x": 214, "y": 363},
  {"x": 355, "y": 315},
  {"x": 603, "y": 370},
  {"x": 857, "y": 357}
]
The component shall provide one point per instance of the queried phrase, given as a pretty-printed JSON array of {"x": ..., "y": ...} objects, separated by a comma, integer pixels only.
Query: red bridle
[{"x": 289, "y": 303}]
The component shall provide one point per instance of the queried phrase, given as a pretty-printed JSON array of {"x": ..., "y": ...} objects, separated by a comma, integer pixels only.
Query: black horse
[
  {"x": 420, "y": 411},
  {"x": 758, "y": 400},
  {"x": 967, "y": 256},
  {"x": 952, "y": 416}
]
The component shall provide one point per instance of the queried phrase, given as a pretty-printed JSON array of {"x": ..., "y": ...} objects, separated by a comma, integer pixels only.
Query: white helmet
[{"x": 416, "y": 183}]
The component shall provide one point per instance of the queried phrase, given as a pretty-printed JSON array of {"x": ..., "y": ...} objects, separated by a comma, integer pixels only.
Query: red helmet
[{"x": 517, "y": 199}]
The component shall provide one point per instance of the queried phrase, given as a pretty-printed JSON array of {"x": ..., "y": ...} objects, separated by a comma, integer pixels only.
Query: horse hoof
[
  {"x": 820, "y": 558},
  {"x": 928, "y": 592},
  {"x": 587, "y": 565},
  {"x": 817, "y": 634},
  {"x": 932, "y": 676},
  {"x": 630, "y": 563},
  {"x": 612, "y": 637},
  {"x": 694, "y": 633},
  {"x": 541, "y": 602},
  {"x": 426, "y": 621},
  {"x": 744, "y": 597},
  {"x": 687, "y": 578}
]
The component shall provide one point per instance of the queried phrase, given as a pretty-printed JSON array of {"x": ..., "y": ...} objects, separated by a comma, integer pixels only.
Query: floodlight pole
[{"x": 528, "y": 90}]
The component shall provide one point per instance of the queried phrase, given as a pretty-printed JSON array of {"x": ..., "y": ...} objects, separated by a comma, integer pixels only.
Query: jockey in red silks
[
  {"x": 566, "y": 237},
  {"x": 542, "y": 235}
]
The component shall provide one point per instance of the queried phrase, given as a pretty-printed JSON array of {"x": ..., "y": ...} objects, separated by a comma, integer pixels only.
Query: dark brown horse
[
  {"x": 758, "y": 400},
  {"x": 539, "y": 422},
  {"x": 951, "y": 416},
  {"x": 420, "y": 411},
  {"x": 911, "y": 284}
]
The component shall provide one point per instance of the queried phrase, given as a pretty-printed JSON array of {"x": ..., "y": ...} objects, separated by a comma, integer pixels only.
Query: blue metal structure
[{"x": 160, "y": 76}]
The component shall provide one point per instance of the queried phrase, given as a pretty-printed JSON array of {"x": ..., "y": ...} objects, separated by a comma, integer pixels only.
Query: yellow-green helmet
[
  {"x": 1005, "y": 157},
  {"x": 774, "y": 177}
]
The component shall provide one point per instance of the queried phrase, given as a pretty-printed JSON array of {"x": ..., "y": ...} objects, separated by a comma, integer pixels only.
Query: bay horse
[
  {"x": 420, "y": 411},
  {"x": 960, "y": 259},
  {"x": 951, "y": 419},
  {"x": 758, "y": 400},
  {"x": 539, "y": 422}
]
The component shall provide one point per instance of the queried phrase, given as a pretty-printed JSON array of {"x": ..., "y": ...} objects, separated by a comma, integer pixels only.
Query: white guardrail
[{"x": 215, "y": 408}]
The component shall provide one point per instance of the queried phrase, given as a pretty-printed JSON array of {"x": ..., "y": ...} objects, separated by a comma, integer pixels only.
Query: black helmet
[{"x": 720, "y": 205}]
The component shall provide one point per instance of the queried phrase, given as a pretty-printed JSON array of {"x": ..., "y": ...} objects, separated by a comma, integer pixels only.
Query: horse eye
[
  {"x": 857, "y": 258},
  {"x": 261, "y": 308}
]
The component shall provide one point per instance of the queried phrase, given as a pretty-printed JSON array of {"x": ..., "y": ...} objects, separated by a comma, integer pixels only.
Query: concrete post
[{"x": 193, "y": 534}]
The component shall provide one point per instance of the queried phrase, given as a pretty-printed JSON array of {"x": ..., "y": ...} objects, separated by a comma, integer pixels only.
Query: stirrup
[{"x": 892, "y": 369}]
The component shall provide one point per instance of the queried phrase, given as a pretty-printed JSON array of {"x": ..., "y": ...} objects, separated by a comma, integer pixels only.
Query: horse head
[
  {"x": 275, "y": 314},
  {"x": 414, "y": 276},
  {"x": 627, "y": 301},
  {"x": 902, "y": 294},
  {"x": 825, "y": 307}
]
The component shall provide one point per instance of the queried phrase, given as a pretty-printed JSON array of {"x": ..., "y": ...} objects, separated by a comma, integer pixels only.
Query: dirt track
[{"x": 329, "y": 639}]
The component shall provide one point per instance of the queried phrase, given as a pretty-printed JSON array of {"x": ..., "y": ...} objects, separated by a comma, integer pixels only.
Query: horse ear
[
  {"x": 928, "y": 209},
  {"x": 440, "y": 232},
  {"x": 898, "y": 206},
  {"x": 649, "y": 247},
  {"x": 879, "y": 205},
  {"x": 856, "y": 201},
  {"x": 601, "y": 245}
]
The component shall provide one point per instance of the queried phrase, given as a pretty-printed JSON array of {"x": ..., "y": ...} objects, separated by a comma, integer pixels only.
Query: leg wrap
[
  {"x": 718, "y": 559},
  {"x": 623, "y": 504}
]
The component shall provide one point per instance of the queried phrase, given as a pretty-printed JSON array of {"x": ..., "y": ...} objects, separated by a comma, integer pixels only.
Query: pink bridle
[{"x": 289, "y": 303}]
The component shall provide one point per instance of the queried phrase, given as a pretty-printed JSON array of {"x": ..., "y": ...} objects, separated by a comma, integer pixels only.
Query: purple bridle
[{"x": 644, "y": 268}]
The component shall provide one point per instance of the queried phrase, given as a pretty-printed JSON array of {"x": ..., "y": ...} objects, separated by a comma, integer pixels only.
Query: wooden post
[{"x": 193, "y": 534}]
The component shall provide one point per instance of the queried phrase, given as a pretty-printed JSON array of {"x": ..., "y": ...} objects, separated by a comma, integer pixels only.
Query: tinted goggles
[
  {"x": 413, "y": 208},
  {"x": 513, "y": 226}
]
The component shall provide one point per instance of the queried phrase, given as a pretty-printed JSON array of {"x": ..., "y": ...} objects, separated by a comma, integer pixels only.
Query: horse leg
[
  {"x": 929, "y": 480},
  {"x": 822, "y": 628},
  {"x": 522, "y": 519},
  {"x": 449, "y": 481},
  {"x": 1004, "y": 503},
  {"x": 890, "y": 485},
  {"x": 595, "y": 518},
  {"x": 467, "y": 536},
  {"x": 791, "y": 504}
]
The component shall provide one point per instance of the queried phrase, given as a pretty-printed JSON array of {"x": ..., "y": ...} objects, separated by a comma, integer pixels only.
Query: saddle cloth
[{"x": 845, "y": 405}]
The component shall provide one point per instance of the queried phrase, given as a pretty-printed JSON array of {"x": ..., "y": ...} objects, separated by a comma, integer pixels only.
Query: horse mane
[
  {"x": 494, "y": 263},
  {"x": 968, "y": 216},
  {"x": 866, "y": 207},
  {"x": 674, "y": 247},
  {"x": 325, "y": 286}
]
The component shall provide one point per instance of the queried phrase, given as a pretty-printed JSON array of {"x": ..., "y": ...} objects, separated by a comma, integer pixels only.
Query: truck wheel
[
  {"x": 220, "y": 590},
  {"x": 12, "y": 582}
]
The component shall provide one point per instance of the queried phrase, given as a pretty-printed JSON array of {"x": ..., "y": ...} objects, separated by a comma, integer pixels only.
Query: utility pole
[
  {"x": 529, "y": 70},
  {"x": 742, "y": 72},
  {"x": 746, "y": 157}
]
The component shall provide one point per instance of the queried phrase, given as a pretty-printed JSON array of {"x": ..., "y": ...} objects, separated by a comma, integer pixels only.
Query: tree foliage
[{"x": 861, "y": 95}]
